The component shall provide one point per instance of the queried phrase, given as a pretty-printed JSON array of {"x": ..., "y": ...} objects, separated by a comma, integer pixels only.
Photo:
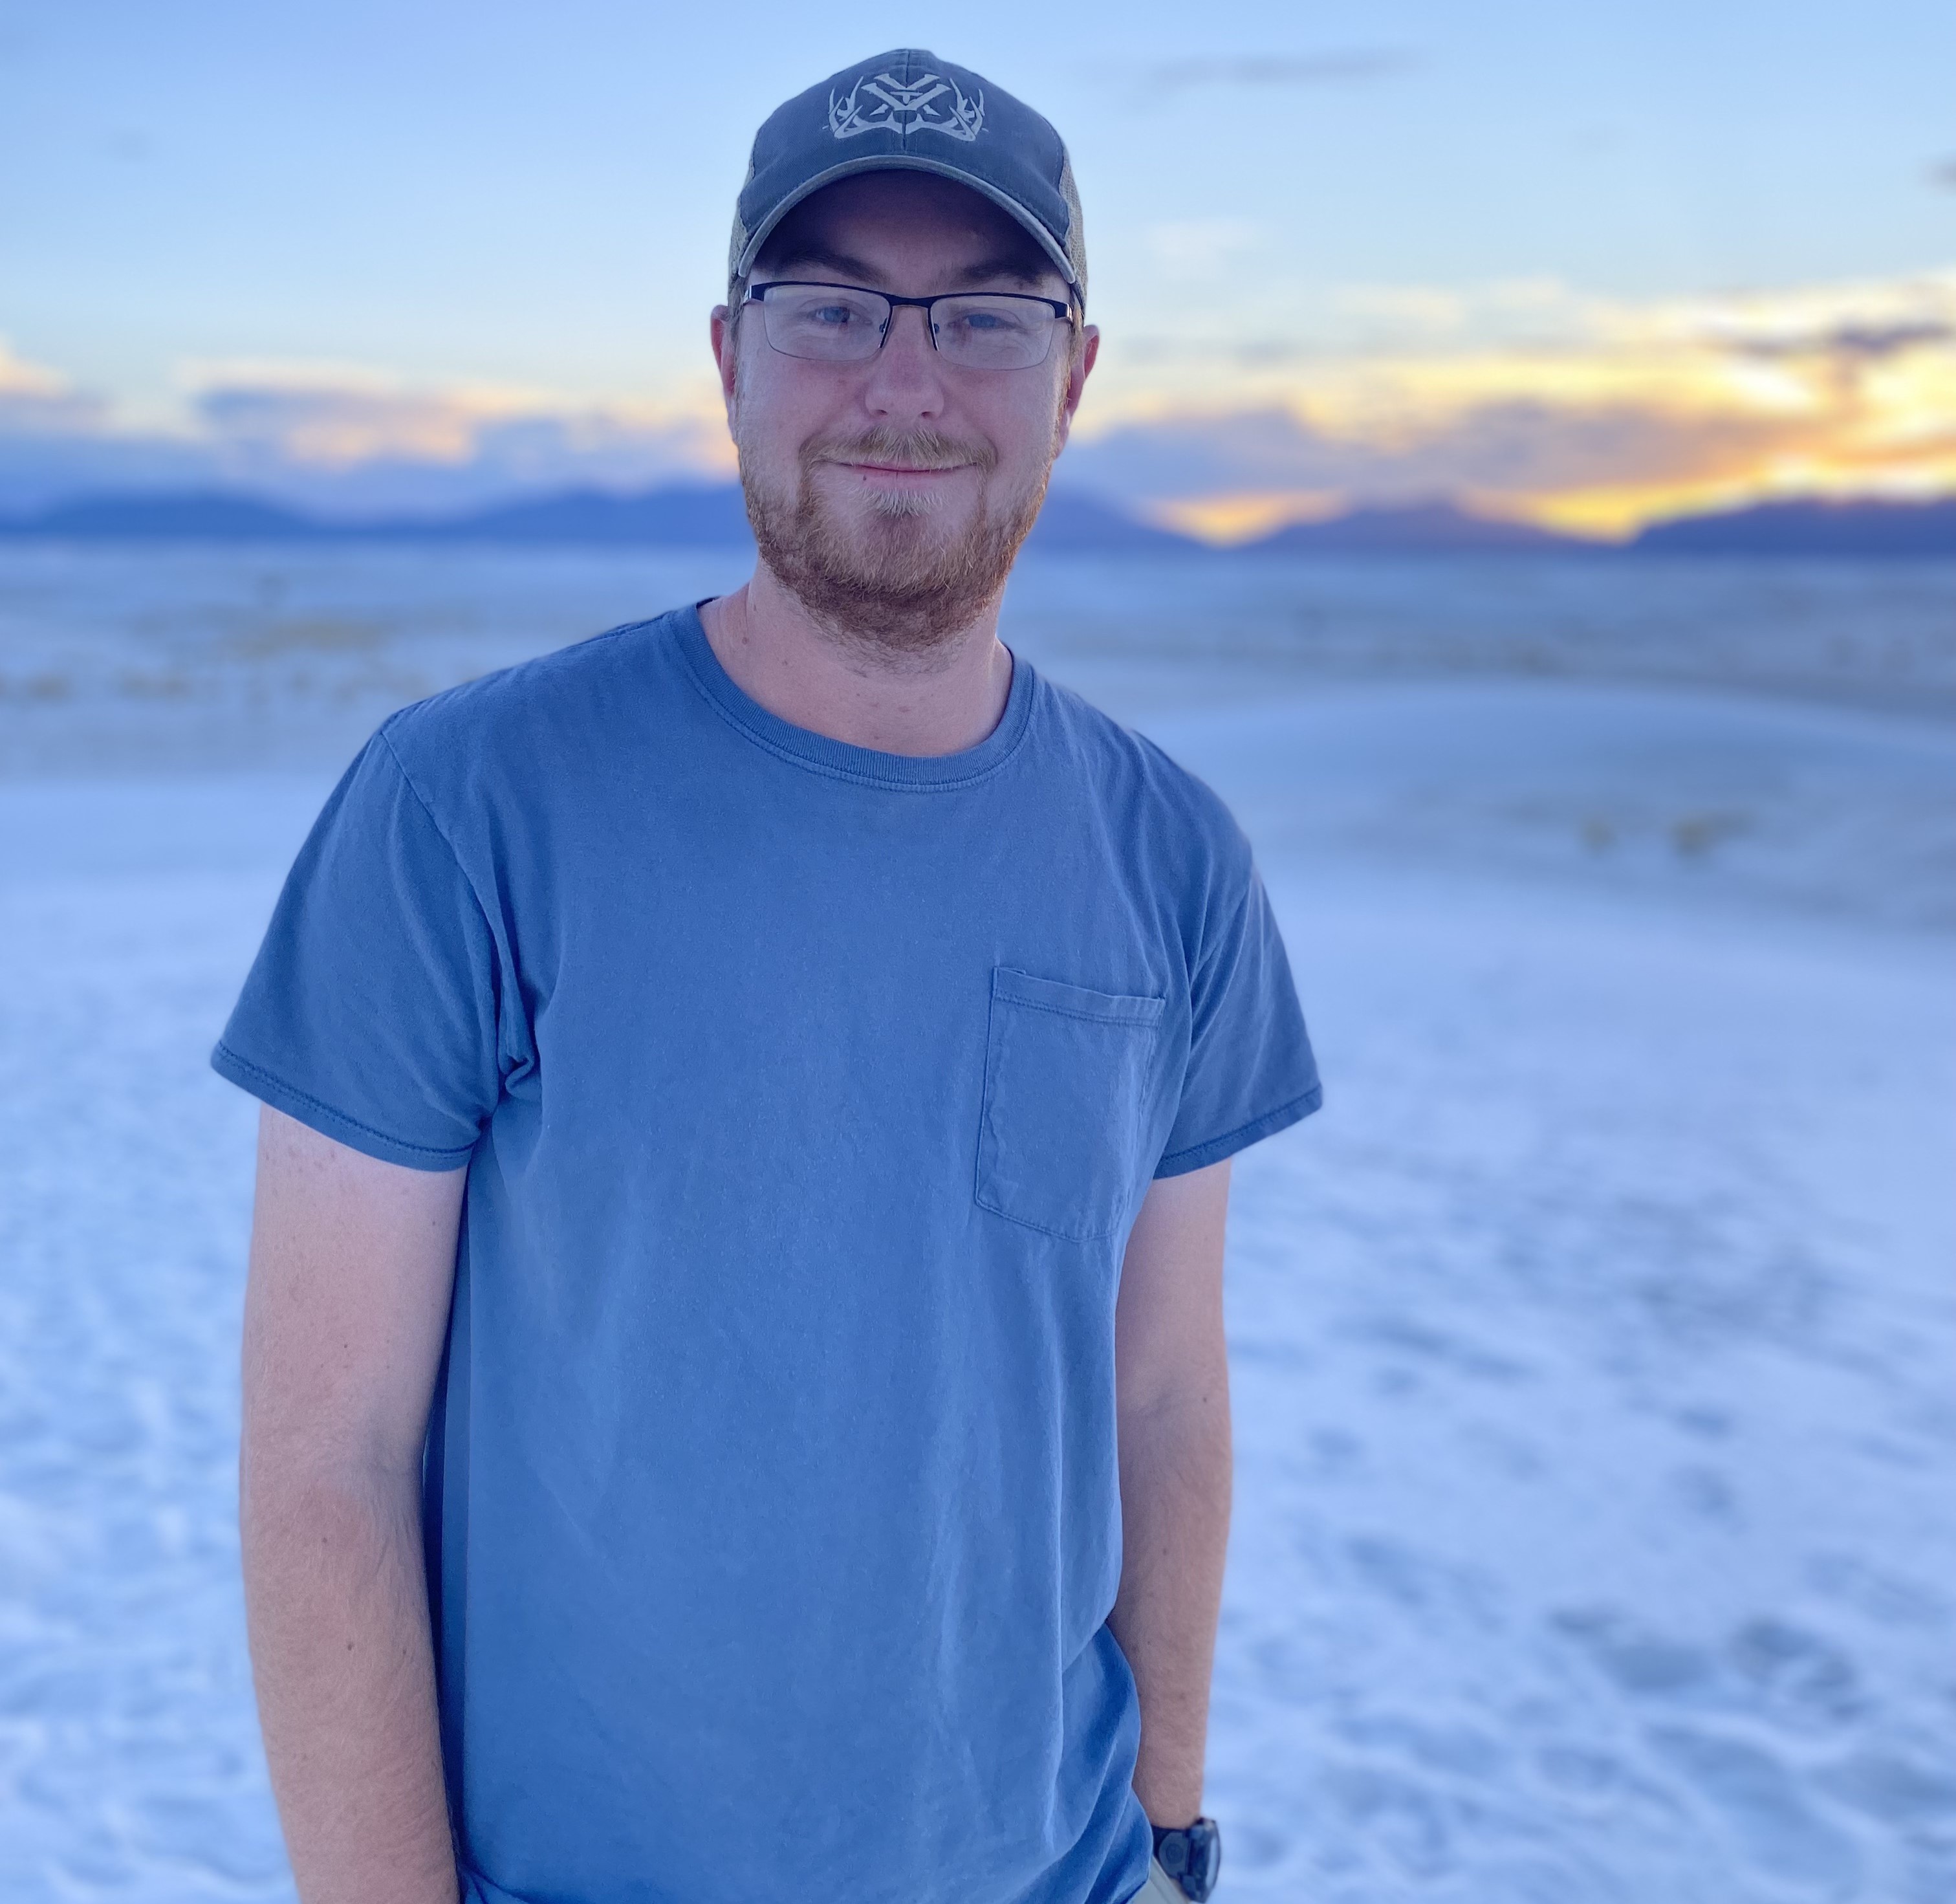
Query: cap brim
[{"x": 850, "y": 168}]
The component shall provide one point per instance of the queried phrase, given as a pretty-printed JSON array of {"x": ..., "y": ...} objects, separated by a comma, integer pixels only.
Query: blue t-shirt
[{"x": 808, "y": 1094}]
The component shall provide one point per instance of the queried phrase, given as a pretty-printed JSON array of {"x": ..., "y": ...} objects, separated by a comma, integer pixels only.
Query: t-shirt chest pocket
[{"x": 1066, "y": 1077}]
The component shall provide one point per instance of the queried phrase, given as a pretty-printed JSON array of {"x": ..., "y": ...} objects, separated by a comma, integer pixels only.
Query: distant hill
[
  {"x": 1414, "y": 528},
  {"x": 1866, "y": 529},
  {"x": 181, "y": 515},
  {"x": 1074, "y": 521},
  {"x": 682, "y": 512},
  {"x": 688, "y": 512},
  {"x": 679, "y": 513}
]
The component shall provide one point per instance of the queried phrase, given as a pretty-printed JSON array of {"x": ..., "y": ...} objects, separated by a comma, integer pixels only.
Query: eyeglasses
[{"x": 845, "y": 323}]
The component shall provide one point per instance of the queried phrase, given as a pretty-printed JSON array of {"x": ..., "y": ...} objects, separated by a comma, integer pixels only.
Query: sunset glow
[
  {"x": 1631, "y": 414},
  {"x": 1547, "y": 267}
]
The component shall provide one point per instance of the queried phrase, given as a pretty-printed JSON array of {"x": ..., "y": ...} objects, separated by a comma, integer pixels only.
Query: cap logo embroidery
[{"x": 932, "y": 105}]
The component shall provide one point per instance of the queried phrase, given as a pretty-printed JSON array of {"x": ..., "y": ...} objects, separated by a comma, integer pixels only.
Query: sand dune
[{"x": 1595, "y": 1528}]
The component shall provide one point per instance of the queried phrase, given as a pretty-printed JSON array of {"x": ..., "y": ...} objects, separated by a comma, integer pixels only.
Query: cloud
[
  {"x": 1285, "y": 324},
  {"x": 34, "y": 400},
  {"x": 325, "y": 418},
  {"x": 1201, "y": 248},
  {"x": 1332, "y": 67},
  {"x": 18, "y": 377},
  {"x": 40, "y": 468},
  {"x": 56, "y": 441},
  {"x": 1418, "y": 307},
  {"x": 1523, "y": 397},
  {"x": 1507, "y": 307},
  {"x": 345, "y": 441},
  {"x": 1529, "y": 399},
  {"x": 1944, "y": 174},
  {"x": 1864, "y": 342},
  {"x": 1241, "y": 471},
  {"x": 1870, "y": 342},
  {"x": 331, "y": 419},
  {"x": 1862, "y": 319}
]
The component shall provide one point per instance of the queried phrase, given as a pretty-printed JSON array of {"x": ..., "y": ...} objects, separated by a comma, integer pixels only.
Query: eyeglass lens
[{"x": 836, "y": 324}]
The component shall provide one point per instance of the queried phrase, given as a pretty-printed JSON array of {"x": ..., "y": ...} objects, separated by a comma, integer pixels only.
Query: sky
[{"x": 1583, "y": 265}]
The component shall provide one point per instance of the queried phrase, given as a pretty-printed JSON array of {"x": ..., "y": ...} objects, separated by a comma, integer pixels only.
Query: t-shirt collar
[{"x": 842, "y": 759}]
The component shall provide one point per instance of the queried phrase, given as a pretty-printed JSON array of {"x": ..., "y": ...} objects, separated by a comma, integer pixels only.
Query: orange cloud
[
  {"x": 329, "y": 419},
  {"x": 19, "y": 377},
  {"x": 1616, "y": 415},
  {"x": 33, "y": 397},
  {"x": 1526, "y": 399}
]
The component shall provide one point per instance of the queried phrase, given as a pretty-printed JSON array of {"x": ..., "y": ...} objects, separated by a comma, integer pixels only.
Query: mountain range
[{"x": 694, "y": 513}]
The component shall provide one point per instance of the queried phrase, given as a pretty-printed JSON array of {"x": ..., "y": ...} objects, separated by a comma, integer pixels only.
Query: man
[{"x": 735, "y": 1401}]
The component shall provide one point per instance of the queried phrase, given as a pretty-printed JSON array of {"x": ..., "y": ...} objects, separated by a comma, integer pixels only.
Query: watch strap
[{"x": 1191, "y": 1855}]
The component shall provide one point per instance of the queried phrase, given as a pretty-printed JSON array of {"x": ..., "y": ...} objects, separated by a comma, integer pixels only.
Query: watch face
[{"x": 1193, "y": 1857}]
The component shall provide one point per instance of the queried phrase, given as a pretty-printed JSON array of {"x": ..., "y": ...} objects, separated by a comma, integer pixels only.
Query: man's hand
[
  {"x": 1172, "y": 1379},
  {"x": 352, "y": 1268}
]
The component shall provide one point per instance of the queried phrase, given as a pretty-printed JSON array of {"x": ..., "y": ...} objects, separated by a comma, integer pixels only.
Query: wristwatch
[{"x": 1191, "y": 1855}]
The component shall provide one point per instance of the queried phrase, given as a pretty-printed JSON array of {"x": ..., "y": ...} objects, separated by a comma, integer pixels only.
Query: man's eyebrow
[
  {"x": 1014, "y": 265},
  {"x": 824, "y": 259}
]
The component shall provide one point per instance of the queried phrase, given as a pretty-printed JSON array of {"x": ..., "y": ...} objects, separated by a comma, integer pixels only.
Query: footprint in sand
[
  {"x": 1758, "y": 1803},
  {"x": 1645, "y": 1664},
  {"x": 1887, "y": 1598},
  {"x": 1899, "y": 1792},
  {"x": 1799, "y": 1676}
]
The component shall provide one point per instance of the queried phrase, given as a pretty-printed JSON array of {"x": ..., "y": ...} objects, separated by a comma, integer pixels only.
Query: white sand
[{"x": 1595, "y": 1523}]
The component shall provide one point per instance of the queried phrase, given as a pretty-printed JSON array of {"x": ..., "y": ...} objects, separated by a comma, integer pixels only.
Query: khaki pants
[{"x": 1160, "y": 1888}]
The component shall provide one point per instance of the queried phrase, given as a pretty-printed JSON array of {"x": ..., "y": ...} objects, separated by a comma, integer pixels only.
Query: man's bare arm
[
  {"x": 352, "y": 1269},
  {"x": 1173, "y": 1376}
]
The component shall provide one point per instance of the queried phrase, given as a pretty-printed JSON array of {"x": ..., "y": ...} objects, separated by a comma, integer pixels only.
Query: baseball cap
[{"x": 909, "y": 110}]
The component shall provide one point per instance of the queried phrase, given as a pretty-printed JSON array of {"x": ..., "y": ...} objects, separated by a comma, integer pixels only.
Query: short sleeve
[
  {"x": 1250, "y": 1071},
  {"x": 370, "y": 1012}
]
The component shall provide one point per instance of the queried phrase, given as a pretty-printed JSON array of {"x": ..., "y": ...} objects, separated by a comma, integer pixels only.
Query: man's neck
[{"x": 940, "y": 702}]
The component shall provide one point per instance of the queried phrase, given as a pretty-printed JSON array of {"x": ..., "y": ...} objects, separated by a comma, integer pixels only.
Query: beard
[{"x": 908, "y": 580}]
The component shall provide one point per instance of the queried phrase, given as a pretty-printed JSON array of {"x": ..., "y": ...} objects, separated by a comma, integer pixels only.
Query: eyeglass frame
[{"x": 1062, "y": 309}]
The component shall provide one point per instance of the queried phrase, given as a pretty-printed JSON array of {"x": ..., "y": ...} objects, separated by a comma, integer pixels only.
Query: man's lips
[{"x": 901, "y": 468}]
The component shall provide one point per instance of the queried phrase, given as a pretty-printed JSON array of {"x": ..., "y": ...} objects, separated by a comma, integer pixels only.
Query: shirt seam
[
  {"x": 500, "y": 979},
  {"x": 1150, "y": 1022},
  {"x": 1044, "y": 1228},
  {"x": 333, "y": 1111},
  {"x": 441, "y": 832},
  {"x": 1212, "y": 950},
  {"x": 1306, "y": 1100},
  {"x": 834, "y": 770}
]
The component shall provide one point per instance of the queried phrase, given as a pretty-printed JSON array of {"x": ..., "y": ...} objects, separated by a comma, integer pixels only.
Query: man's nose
[{"x": 907, "y": 375}]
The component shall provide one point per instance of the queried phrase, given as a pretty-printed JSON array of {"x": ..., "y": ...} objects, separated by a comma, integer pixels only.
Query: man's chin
[
  {"x": 903, "y": 580},
  {"x": 905, "y": 567},
  {"x": 895, "y": 538}
]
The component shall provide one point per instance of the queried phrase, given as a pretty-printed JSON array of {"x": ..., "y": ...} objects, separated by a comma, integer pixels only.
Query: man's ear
[
  {"x": 1079, "y": 368},
  {"x": 725, "y": 335}
]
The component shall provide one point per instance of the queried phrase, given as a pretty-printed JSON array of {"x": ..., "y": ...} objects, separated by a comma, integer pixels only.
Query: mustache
[{"x": 907, "y": 449}]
